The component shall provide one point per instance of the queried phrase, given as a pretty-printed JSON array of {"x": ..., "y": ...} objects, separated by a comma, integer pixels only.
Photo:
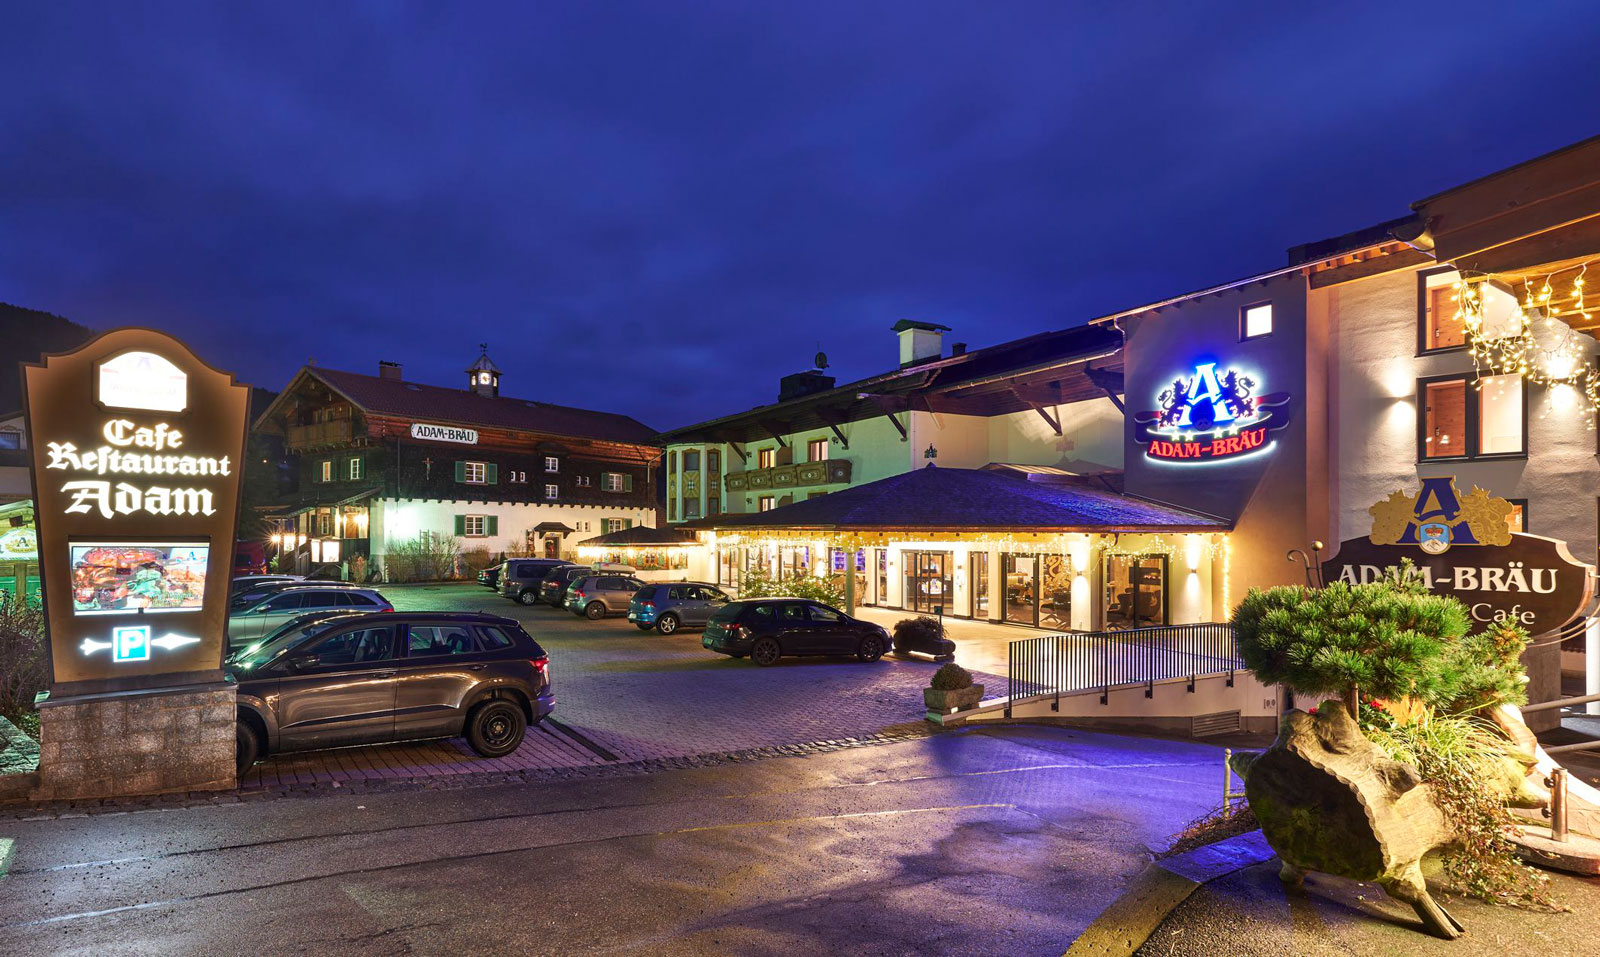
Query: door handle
[
  {"x": 476, "y": 667},
  {"x": 382, "y": 674}
]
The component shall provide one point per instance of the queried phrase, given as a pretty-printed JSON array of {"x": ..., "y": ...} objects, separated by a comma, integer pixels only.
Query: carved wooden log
[{"x": 1330, "y": 800}]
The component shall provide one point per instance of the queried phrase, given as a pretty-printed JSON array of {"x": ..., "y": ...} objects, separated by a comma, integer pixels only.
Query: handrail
[{"x": 1068, "y": 663}]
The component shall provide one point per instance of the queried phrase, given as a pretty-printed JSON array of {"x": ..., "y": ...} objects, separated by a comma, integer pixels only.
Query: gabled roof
[
  {"x": 939, "y": 499},
  {"x": 643, "y": 535},
  {"x": 431, "y": 403},
  {"x": 1043, "y": 369}
]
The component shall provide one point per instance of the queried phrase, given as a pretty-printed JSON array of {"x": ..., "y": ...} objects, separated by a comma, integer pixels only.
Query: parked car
[
  {"x": 520, "y": 577},
  {"x": 242, "y": 582},
  {"x": 668, "y": 606},
  {"x": 262, "y": 618},
  {"x": 769, "y": 628},
  {"x": 244, "y": 598},
  {"x": 490, "y": 577},
  {"x": 374, "y": 678},
  {"x": 596, "y": 596},
  {"x": 311, "y": 621},
  {"x": 553, "y": 590}
]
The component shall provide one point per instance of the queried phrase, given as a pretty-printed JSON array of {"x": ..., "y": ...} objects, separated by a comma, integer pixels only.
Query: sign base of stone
[{"x": 125, "y": 743}]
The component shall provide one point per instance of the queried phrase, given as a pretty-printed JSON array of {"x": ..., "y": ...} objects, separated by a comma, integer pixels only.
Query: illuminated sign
[
  {"x": 1210, "y": 416},
  {"x": 135, "y": 445},
  {"x": 143, "y": 380},
  {"x": 444, "y": 433},
  {"x": 1501, "y": 576}
]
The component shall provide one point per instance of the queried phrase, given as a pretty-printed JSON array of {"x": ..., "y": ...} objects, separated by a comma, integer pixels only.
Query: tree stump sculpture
[{"x": 1330, "y": 800}]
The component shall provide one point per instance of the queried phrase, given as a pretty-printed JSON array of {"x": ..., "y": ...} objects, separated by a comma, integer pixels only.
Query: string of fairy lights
[{"x": 1514, "y": 348}]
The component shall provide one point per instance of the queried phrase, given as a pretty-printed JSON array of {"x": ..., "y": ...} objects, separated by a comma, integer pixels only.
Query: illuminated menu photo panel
[
  {"x": 136, "y": 446},
  {"x": 113, "y": 578}
]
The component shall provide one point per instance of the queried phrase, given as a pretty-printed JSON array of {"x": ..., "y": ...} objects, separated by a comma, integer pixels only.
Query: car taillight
[
  {"x": 735, "y": 631},
  {"x": 542, "y": 665},
  {"x": 578, "y": 594},
  {"x": 650, "y": 605}
]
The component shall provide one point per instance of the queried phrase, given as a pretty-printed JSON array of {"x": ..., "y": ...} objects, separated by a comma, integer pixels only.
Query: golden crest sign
[{"x": 1462, "y": 545}]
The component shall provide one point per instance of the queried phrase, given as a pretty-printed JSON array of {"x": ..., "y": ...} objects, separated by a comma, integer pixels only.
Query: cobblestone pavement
[{"x": 624, "y": 696}]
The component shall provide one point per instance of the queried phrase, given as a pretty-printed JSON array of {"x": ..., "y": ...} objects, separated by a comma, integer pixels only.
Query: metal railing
[{"x": 1072, "y": 663}]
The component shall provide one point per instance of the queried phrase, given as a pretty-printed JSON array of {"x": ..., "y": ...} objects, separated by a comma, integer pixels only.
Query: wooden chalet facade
[{"x": 378, "y": 461}]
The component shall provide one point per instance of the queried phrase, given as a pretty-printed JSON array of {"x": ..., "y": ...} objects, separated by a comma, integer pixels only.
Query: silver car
[
  {"x": 599, "y": 595},
  {"x": 262, "y": 618}
]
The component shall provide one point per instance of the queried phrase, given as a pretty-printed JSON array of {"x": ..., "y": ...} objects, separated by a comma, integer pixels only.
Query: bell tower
[{"x": 483, "y": 377}]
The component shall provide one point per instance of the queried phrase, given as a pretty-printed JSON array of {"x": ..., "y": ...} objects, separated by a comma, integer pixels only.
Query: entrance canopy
[
  {"x": 641, "y": 537},
  {"x": 941, "y": 500}
]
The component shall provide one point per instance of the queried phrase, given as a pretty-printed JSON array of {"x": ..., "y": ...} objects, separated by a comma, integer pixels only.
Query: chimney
[
  {"x": 958, "y": 348},
  {"x": 919, "y": 341},
  {"x": 803, "y": 383},
  {"x": 388, "y": 370}
]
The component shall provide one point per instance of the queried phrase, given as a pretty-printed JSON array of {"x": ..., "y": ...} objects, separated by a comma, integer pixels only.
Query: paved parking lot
[{"x": 625, "y": 695}]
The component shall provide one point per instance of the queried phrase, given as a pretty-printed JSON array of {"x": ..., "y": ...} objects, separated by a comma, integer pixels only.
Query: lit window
[
  {"x": 1467, "y": 418},
  {"x": 1517, "y": 518},
  {"x": 327, "y": 470},
  {"x": 552, "y": 464},
  {"x": 10, "y": 439},
  {"x": 355, "y": 468},
  {"x": 474, "y": 472},
  {"x": 1439, "y": 316},
  {"x": 551, "y": 491},
  {"x": 1255, "y": 321},
  {"x": 476, "y": 526},
  {"x": 817, "y": 450},
  {"x": 766, "y": 458},
  {"x": 766, "y": 503}
]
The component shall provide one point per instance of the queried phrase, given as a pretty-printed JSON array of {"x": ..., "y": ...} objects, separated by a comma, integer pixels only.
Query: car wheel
[
  {"x": 528, "y": 597},
  {"x": 247, "y": 747},
  {"x": 667, "y": 624},
  {"x": 765, "y": 652},
  {"x": 595, "y": 610},
  {"x": 495, "y": 728},
  {"x": 643, "y": 626},
  {"x": 870, "y": 649}
]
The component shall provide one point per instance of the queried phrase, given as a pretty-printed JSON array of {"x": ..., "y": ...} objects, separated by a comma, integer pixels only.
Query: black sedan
[{"x": 766, "y": 629}]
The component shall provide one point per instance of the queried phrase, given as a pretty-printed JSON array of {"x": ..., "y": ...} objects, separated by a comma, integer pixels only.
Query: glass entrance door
[
  {"x": 927, "y": 582},
  {"x": 1136, "y": 591},
  {"x": 881, "y": 596},
  {"x": 1022, "y": 593},
  {"x": 978, "y": 585}
]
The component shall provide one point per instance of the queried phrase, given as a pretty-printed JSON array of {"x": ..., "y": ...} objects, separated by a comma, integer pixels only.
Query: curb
[{"x": 1122, "y": 928}]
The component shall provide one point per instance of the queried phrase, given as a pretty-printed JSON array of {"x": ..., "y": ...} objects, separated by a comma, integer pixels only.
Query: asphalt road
[{"x": 991, "y": 841}]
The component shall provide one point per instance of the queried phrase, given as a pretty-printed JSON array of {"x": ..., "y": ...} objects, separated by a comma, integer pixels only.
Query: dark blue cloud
[{"x": 660, "y": 208}]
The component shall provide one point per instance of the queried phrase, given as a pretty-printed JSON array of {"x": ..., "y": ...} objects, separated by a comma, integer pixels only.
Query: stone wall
[{"x": 137, "y": 742}]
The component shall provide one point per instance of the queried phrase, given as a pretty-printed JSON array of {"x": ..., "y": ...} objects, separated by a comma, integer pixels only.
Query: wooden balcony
[
  {"x": 318, "y": 434},
  {"x": 800, "y": 475}
]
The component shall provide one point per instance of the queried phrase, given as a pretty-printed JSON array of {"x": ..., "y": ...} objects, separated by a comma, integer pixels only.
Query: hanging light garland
[{"x": 1515, "y": 349}]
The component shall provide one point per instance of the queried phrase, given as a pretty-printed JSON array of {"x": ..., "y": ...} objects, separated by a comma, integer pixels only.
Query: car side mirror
[{"x": 301, "y": 662}]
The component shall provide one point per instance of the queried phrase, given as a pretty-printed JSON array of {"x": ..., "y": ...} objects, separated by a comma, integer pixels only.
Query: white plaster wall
[
  {"x": 1374, "y": 390},
  {"x": 394, "y": 520}
]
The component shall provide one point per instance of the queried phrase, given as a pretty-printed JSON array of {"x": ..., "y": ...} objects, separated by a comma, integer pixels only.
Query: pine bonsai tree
[{"x": 1386, "y": 639}]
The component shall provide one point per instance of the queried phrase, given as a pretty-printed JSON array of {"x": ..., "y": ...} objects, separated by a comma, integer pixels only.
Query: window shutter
[
  {"x": 491, "y": 474},
  {"x": 627, "y": 483},
  {"x": 461, "y": 476},
  {"x": 491, "y": 525},
  {"x": 627, "y": 523},
  {"x": 461, "y": 520}
]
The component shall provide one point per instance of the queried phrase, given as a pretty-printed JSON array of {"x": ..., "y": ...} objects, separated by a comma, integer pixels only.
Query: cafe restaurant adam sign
[
  {"x": 1463, "y": 547},
  {"x": 136, "y": 448},
  {"x": 1210, "y": 416}
]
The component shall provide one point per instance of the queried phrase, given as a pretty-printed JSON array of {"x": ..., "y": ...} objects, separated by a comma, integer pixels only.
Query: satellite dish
[{"x": 821, "y": 360}]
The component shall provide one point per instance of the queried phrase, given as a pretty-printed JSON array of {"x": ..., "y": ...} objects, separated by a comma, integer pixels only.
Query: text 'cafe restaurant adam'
[{"x": 1444, "y": 359}]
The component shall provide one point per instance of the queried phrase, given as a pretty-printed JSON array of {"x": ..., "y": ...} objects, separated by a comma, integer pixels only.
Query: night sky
[{"x": 660, "y": 208}]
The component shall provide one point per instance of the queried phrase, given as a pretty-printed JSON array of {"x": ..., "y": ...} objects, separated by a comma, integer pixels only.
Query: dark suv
[
  {"x": 520, "y": 577},
  {"x": 367, "y": 679},
  {"x": 768, "y": 628}
]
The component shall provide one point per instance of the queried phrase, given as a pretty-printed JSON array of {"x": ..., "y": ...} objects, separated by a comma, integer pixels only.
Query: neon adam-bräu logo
[{"x": 1210, "y": 415}]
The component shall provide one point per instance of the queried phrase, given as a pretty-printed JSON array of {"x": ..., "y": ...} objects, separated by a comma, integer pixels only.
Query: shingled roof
[
  {"x": 643, "y": 535},
  {"x": 432, "y": 403},
  {"x": 940, "y": 499}
]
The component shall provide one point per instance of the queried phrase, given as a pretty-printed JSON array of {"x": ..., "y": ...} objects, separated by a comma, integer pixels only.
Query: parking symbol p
[{"x": 130, "y": 643}]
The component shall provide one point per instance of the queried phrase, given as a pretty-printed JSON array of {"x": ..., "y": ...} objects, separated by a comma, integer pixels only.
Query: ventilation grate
[{"x": 1206, "y": 725}]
